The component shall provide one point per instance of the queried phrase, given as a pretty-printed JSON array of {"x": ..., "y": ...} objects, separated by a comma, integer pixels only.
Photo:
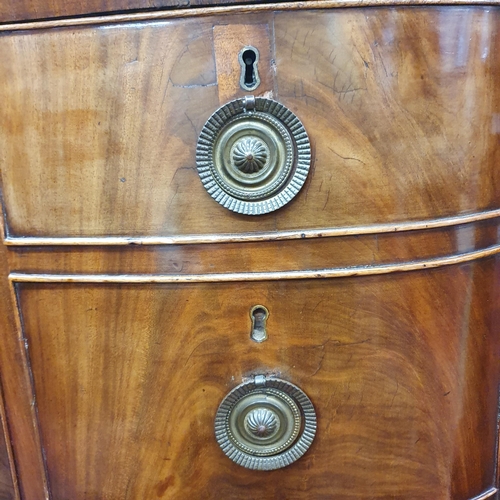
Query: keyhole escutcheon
[
  {"x": 259, "y": 315},
  {"x": 249, "y": 58}
]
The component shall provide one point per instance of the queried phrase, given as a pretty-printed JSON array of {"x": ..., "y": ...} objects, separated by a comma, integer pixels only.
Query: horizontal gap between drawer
[
  {"x": 261, "y": 276},
  {"x": 229, "y": 9},
  {"x": 234, "y": 238}
]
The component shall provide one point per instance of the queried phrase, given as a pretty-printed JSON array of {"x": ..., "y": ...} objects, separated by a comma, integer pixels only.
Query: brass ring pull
[
  {"x": 265, "y": 424},
  {"x": 253, "y": 155}
]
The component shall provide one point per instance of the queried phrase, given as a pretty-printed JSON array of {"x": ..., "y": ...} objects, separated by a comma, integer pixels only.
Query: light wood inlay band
[
  {"x": 234, "y": 238},
  {"x": 262, "y": 276},
  {"x": 230, "y": 9},
  {"x": 487, "y": 494}
]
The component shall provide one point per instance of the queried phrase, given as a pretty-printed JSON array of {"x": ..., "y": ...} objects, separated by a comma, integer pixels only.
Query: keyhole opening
[
  {"x": 259, "y": 315},
  {"x": 249, "y": 58}
]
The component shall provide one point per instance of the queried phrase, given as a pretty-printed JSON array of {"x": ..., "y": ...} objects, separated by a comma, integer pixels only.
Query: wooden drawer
[
  {"x": 128, "y": 379},
  {"x": 403, "y": 121}
]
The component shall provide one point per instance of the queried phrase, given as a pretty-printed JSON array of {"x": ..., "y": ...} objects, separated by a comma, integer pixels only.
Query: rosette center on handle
[{"x": 250, "y": 155}]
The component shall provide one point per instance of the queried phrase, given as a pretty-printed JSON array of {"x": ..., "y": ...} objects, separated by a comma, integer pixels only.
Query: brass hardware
[
  {"x": 249, "y": 58},
  {"x": 262, "y": 422},
  {"x": 265, "y": 424},
  {"x": 250, "y": 155},
  {"x": 248, "y": 103},
  {"x": 259, "y": 315},
  {"x": 253, "y": 155}
]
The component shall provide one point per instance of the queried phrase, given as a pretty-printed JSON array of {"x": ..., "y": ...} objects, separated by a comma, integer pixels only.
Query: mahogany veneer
[{"x": 126, "y": 290}]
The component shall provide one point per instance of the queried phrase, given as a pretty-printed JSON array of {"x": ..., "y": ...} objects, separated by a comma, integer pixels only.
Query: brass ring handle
[
  {"x": 265, "y": 424},
  {"x": 253, "y": 155}
]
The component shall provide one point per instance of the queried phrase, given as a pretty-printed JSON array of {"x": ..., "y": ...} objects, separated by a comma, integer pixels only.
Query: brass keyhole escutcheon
[
  {"x": 259, "y": 315},
  {"x": 248, "y": 59}
]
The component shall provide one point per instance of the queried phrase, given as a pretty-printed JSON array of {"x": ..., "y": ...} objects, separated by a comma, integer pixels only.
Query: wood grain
[
  {"x": 253, "y": 237},
  {"x": 402, "y": 371},
  {"x": 387, "y": 99},
  {"x": 23, "y": 10},
  {"x": 20, "y": 416},
  {"x": 123, "y": 330},
  {"x": 370, "y": 270},
  {"x": 228, "y": 42},
  {"x": 8, "y": 478},
  {"x": 265, "y": 256},
  {"x": 247, "y": 8},
  {"x": 100, "y": 139},
  {"x": 19, "y": 10}
]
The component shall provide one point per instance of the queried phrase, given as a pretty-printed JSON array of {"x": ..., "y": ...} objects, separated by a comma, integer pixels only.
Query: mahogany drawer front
[
  {"x": 401, "y": 109},
  {"x": 128, "y": 378}
]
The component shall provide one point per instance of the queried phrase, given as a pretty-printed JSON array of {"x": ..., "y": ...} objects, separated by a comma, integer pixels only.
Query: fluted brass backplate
[
  {"x": 265, "y": 424},
  {"x": 253, "y": 155}
]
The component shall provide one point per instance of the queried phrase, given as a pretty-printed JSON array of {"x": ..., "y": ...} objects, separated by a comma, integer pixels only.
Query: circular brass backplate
[
  {"x": 253, "y": 155},
  {"x": 265, "y": 424}
]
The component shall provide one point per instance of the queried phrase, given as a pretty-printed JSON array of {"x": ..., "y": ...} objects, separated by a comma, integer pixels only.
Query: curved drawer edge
[
  {"x": 229, "y": 9},
  {"x": 250, "y": 237},
  {"x": 262, "y": 276},
  {"x": 486, "y": 494}
]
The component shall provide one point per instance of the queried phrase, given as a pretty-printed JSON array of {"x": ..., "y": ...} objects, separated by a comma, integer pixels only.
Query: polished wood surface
[
  {"x": 372, "y": 229},
  {"x": 228, "y": 41},
  {"x": 367, "y": 252},
  {"x": 18, "y": 392},
  {"x": 402, "y": 372},
  {"x": 404, "y": 126},
  {"x": 8, "y": 488},
  {"x": 26, "y": 10},
  {"x": 126, "y": 289},
  {"x": 20, "y": 10}
]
